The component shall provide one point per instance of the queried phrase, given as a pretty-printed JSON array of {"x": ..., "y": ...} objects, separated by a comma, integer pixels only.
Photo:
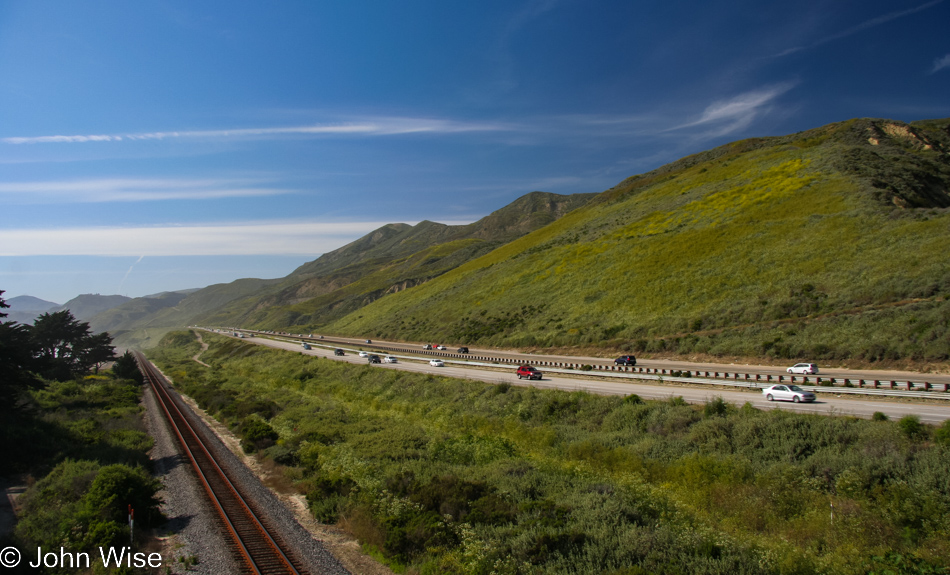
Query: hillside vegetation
[
  {"x": 141, "y": 322},
  {"x": 439, "y": 475},
  {"x": 827, "y": 244},
  {"x": 390, "y": 259}
]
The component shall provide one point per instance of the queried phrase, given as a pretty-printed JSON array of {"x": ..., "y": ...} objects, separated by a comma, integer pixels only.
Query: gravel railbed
[
  {"x": 193, "y": 529},
  {"x": 311, "y": 553}
]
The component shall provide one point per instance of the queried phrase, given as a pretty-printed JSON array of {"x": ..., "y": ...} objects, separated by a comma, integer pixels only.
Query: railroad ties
[{"x": 258, "y": 547}]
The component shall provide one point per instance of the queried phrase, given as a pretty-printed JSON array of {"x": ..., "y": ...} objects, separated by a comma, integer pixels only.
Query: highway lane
[
  {"x": 825, "y": 371},
  {"x": 928, "y": 413}
]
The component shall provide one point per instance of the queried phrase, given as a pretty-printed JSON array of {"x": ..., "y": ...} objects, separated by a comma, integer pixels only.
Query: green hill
[
  {"x": 141, "y": 322},
  {"x": 392, "y": 258},
  {"x": 827, "y": 244},
  {"x": 88, "y": 305},
  {"x": 388, "y": 260}
]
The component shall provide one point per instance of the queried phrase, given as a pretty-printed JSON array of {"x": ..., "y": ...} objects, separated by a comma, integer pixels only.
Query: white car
[
  {"x": 436, "y": 363},
  {"x": 441, "y": 348},
  {"x": 787, "y": 393},
  {"x": 364, "y": 354},
  {"x": 390, "y": 359},
  {"x": 803, "y": 368}
]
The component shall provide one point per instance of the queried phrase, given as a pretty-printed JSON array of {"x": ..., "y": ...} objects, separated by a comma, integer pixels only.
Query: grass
[{"x": 438, "y": 475}]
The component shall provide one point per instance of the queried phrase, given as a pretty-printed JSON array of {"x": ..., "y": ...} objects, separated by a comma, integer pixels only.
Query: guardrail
[{"x": 851, "y": 386}]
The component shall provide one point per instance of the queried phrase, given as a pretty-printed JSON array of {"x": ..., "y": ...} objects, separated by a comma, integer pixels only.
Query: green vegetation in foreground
[
  {"x": 85, "y": 442},
  {"x": 438, "y": 475},
  {"x": 820, "y": 245}
]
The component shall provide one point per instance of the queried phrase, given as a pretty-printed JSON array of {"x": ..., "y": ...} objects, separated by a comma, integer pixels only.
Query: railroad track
[{"x": 256, "y": 544}]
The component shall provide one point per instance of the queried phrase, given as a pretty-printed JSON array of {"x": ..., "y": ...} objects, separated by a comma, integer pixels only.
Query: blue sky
[{"x": 149, "y": 146}]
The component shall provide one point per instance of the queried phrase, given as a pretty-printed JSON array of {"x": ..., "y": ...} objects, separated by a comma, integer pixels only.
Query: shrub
[
  {"x": 879, "y": 416},
  {"x": 82, "y": 505},
  {"x": 257, "y": 434},
  {"x": 942, "y": 434},
  {"x": 911, "y": 427},
  {"x": 501, "y": 388},
  {"x": 633, "y": 399},
  {"x": 715, "y": 407}
]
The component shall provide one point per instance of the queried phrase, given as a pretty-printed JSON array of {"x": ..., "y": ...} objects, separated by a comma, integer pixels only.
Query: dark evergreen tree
[
  {"x": 126, "y": 367},
  {"x": 64, "y": 346},
  {"x": 16, "y": 360}
]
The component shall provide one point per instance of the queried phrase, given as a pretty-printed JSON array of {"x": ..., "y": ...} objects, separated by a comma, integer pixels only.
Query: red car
[{"x": 529, "y": 372}]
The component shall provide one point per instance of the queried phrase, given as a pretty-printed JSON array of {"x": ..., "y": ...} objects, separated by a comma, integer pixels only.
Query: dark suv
[
  {"x": 529, "y": 372},
  {"x": 463, "y": 349},
  {"x": 374, "y": 359},
  {"x": 626, "y": 360},
  {"x": 337, "y": 351}
]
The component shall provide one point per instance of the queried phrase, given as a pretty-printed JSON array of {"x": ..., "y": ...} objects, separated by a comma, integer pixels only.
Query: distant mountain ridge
[
  {"x": 26, "y": 308},
  {"x": 142, "y": 321},
  {"x": 86, "y": 306}
]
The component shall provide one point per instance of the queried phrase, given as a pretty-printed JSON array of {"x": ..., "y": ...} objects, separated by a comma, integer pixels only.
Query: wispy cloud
[
  {"x": 283, "y": 237},
  {"x": 133, "y": 190},
  {"x": 375, "y": 126},
  {"x": 726, "y": 116},
  {"x": 941, "y": 63},
  {"x": 873, "y": 22}
]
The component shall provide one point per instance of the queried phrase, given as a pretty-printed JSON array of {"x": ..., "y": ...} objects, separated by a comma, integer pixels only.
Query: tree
[
  {"x": 95, "y": 350},
  {"x": 16, "y": 360},
  {"x": 126, "y": 367},
  {"x": 64, "y": 346}
]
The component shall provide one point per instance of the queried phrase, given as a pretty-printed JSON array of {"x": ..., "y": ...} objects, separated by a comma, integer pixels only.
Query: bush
[
  {"x": 81, "y": 505},
  {"x": 942, "y": 434},
  {"x": 715, "y": 407},
  {"x": 257, "y": 434},
  {"x": 879, "y": 416},
  {"x": 911, "y": 427}
]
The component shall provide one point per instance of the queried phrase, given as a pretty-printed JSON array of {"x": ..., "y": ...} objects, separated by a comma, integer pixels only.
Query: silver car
[
  {"x": 390, "y": 359},
  {"x": 803, "y": 368},
  {"x": 787, "y": 393}
]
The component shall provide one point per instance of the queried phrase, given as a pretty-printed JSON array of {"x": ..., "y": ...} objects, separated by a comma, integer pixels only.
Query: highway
[
  {"x": 763, "y": 370},
  {"x": 834, "y": 405}
]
